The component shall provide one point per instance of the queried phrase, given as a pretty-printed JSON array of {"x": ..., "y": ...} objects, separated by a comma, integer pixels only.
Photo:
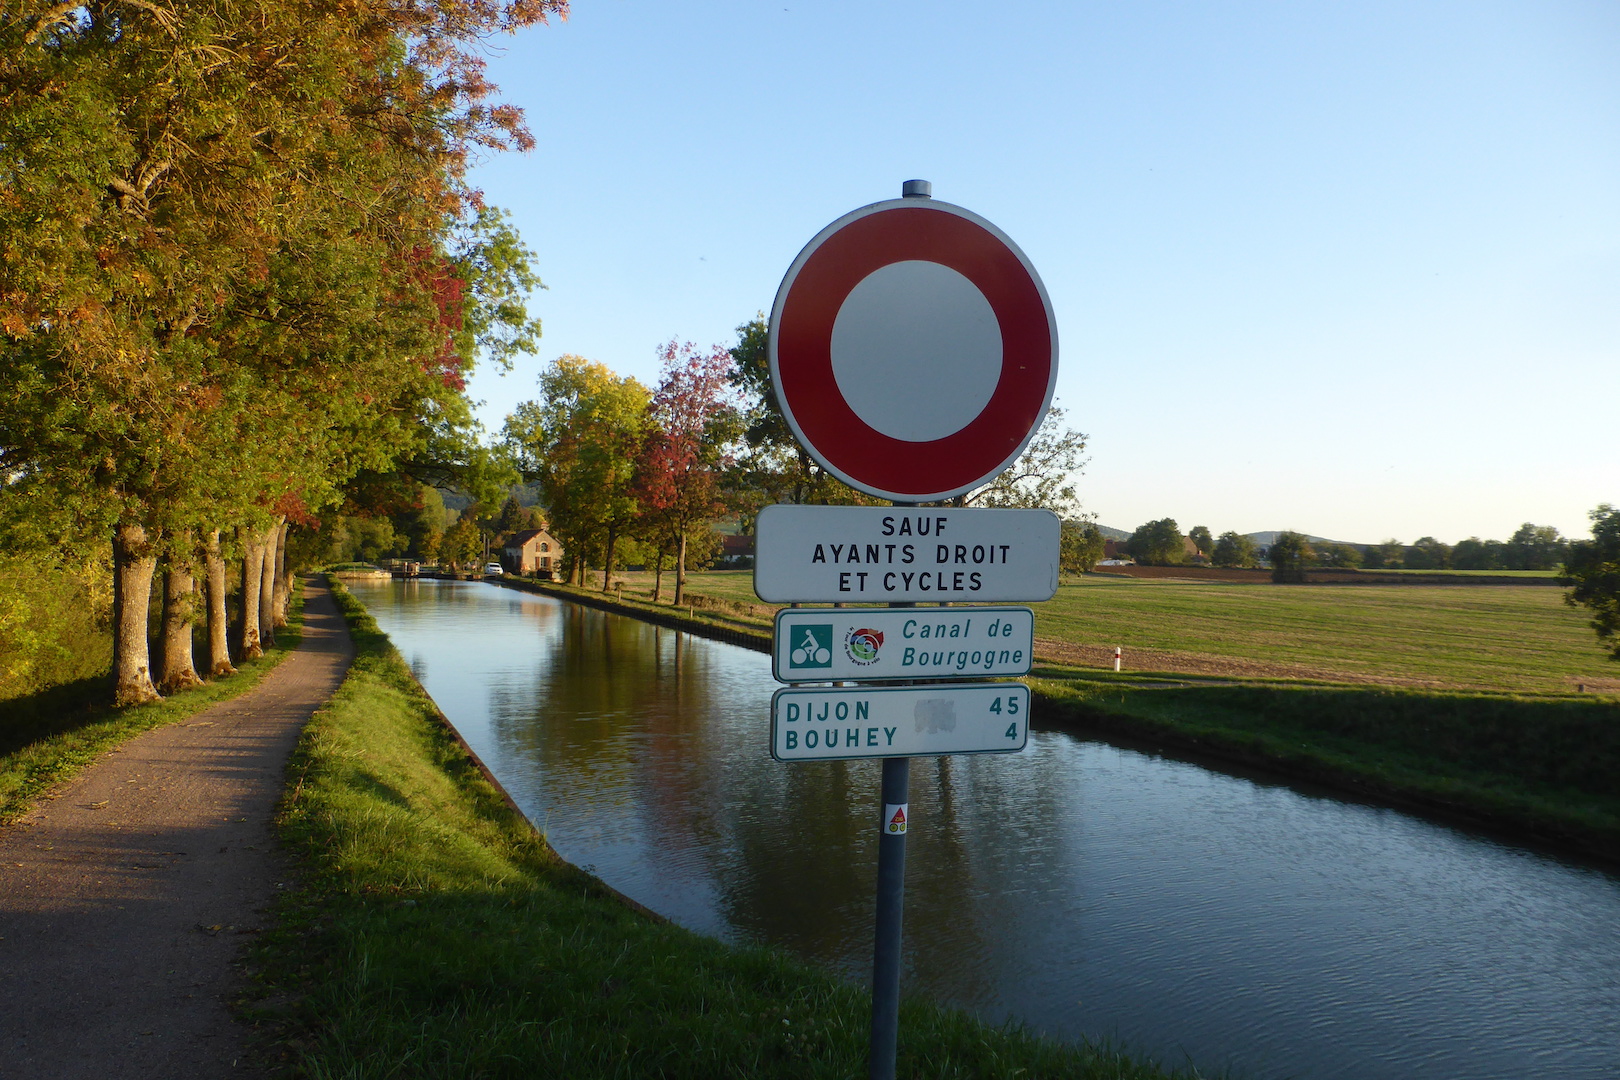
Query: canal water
[{"x": 1085, "y": 889}]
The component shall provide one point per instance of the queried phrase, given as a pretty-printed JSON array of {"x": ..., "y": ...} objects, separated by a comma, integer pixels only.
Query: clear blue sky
[{"x": 1352, "y": 269}]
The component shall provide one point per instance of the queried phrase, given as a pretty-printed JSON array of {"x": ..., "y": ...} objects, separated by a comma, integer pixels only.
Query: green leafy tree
[
  {"x": 1235, "y": 549},
  {"x": 1535, "y": 547},
  {"x": 1339, "y": 556},
  {"x": 580, "y": 442},
  {"x": 1081, "y": 546},
  {"x": 514, "y": 517},
  {"x": 1291, "y": 554},
  {"x": 771, "y": 466},
  {"x": 1157, "y": 543},
  {"x": 1386, "y": 556},
  {"x": 1043, "y": 476},
  {"x": 463, "y": 543},
  {"x": 1427, "y": 553},
  {"x": 1476, "y": 554},
  {"x": 420, "y": 522},
  {"x": 1592, "y": 571}
]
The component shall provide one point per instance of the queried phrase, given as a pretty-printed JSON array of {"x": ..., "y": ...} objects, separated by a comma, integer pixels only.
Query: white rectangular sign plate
[
  {"x": 866, "y": 643},
  {"x": 872, "y": 554},
  {"x": 835, "y": 722}
]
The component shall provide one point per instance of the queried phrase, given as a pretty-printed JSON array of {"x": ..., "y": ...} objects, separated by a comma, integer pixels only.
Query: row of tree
[
  {"x": 616, "y": 461},
  {"x": 1532, "y": 547},
  {"x": 244, "y": 278}
]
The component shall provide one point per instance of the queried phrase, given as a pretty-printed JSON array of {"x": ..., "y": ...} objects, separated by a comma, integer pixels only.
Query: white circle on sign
[{"x": 920, "y": 333}]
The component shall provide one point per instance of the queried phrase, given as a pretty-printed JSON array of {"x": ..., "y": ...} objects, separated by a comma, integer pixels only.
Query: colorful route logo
[
  {"x": 862, "y": 645},
  {"x": 812, "y": 647}
]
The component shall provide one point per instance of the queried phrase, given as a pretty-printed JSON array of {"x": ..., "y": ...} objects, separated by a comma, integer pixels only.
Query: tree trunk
[
  {"x": 267, "y": 587},
  {"x": 179, "y": 671},
  {"x": 248, "y": 646},
  {"x": 607, "y": 559},
  {"x": 283, "y": 585},
  {"x": 680, "y": 568},
  {"x": 219, "y": 645},
  {"x": 133, "y": 563},
  {"x": 658, "y": 573}
]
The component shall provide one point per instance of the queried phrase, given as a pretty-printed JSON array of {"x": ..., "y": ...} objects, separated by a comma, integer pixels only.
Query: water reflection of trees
[{"x": 651, "y": 741}]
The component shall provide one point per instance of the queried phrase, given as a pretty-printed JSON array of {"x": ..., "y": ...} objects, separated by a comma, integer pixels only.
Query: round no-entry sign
[{"x": 913, "y": 349}]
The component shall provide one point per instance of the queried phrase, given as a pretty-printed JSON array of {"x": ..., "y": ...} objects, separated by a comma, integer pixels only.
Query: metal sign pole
[
  {"x": 880, "y": 266},
  {"x": 891, "y": 884},
  {"x": 891, "y": 901}
]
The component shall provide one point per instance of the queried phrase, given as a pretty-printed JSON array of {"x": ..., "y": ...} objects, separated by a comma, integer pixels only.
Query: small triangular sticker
[{"x": 895, "y": 819}]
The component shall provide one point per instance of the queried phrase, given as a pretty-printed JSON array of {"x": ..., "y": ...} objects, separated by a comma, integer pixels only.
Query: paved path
[{"x": 124, "y": 900}]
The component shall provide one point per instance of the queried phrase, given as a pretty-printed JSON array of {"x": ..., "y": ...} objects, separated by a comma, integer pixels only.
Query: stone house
[{"x": 533, "y": 551}]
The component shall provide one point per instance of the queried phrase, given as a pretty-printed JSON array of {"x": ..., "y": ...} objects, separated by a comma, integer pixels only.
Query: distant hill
[
  {"x": 1267, "y": 538},
  {"x": 527, "y": 495}
]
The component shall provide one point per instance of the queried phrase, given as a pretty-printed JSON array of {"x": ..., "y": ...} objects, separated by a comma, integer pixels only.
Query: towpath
[{"x": 126, "y": 897}]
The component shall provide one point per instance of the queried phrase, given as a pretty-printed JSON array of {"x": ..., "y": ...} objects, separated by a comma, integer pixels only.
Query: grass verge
[
  {"x": 48, "y": 737},
  {"x": 1540, "y": 766},
  {"x": 435, "y": 934}
]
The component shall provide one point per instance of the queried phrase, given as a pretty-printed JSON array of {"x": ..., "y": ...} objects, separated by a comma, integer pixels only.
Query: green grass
[
  {"x": 1461, "y": 637},
  {"x": 1443, "y": 636},
  {"x": 434, "y": 934},
  {"x": 1542, "y": 766},
  {"x": 48, "y": 737},
  {"x": 53, "y": 626}
]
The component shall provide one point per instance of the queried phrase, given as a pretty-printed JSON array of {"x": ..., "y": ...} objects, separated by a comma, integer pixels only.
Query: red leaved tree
[{"x": 693, "y": 424}]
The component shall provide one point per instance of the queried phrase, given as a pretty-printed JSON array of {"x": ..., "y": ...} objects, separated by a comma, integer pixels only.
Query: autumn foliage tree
[
  {"x": 692, "y": 424},
  {"x": 229, "y": 243}
]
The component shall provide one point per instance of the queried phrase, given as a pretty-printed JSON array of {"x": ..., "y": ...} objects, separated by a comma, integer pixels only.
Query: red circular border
[{"x": 808, "y": 391}]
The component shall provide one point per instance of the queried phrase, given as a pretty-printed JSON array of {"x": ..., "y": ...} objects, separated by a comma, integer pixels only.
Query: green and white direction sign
[
  {"x": 836, "y": 722},
  {"x": 843, "y": 644}
]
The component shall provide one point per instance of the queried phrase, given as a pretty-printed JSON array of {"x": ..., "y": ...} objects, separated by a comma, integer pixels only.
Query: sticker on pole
[
  {"x": 894, "y": 818},
  {"x": 913, "y": 349}
]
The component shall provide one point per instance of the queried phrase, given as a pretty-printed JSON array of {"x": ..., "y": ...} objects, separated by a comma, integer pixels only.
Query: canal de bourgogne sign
[{"x": 864, "y": 643}]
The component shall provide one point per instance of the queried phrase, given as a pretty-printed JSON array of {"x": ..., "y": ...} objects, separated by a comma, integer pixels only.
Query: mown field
[{"x": 1452, "y": 637}]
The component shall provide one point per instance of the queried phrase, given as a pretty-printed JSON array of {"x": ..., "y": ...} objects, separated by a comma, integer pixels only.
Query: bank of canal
[{"x": 1082, "y": 887}]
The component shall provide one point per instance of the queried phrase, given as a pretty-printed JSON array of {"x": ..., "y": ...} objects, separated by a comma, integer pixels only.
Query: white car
[{"x": 493, "y": 570}]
